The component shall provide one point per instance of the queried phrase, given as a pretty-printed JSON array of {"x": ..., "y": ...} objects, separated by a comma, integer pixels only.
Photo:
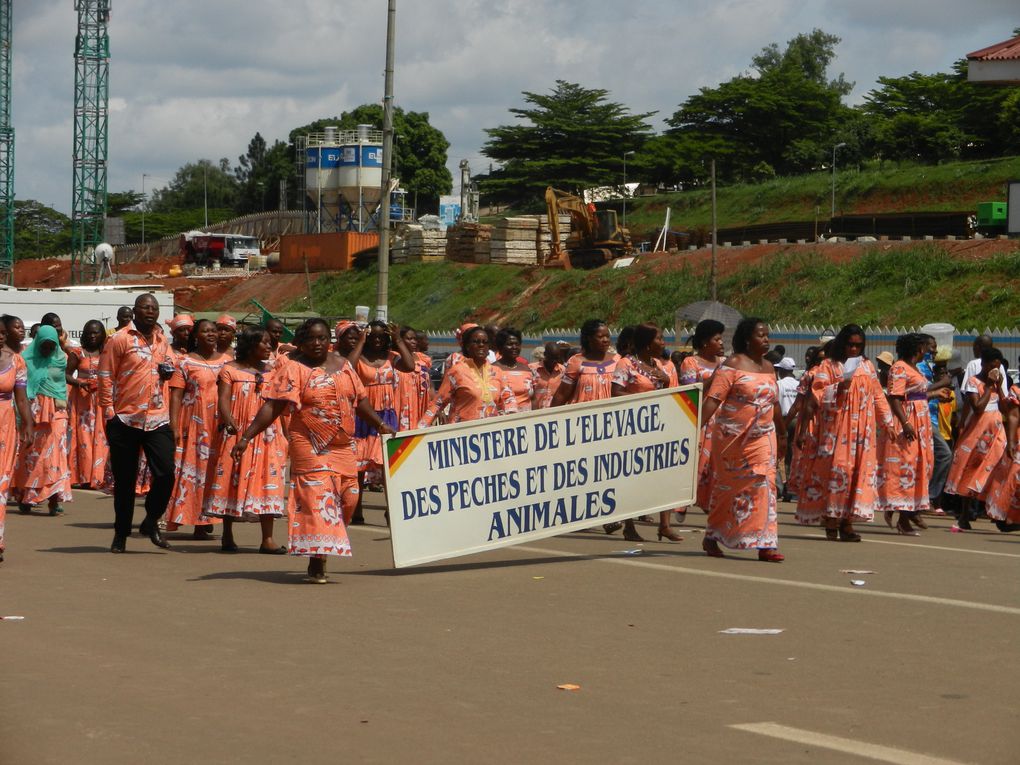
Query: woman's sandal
[
  {"x": 832, "y": 534},
  {"x": 771, "y": 556},
  {"x": 711, "y": 548}
]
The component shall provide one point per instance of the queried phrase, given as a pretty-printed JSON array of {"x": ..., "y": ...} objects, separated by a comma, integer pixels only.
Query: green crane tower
[
  {"x": 6, "y": 150},
  {"x": 91, "y": 117}
]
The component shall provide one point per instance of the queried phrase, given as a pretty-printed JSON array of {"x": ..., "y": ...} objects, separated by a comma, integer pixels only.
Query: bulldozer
[{"x": 595, "y": 239}]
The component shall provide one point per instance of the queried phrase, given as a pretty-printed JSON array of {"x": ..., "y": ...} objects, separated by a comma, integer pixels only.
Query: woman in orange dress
[
  {"x": 588, "y": 375},
  {"x": 748, "y": 440},
  {"x": 378, "y": 369},
  {"x": 15, "y": 332},
  {"x": 519, "y": 375},
  {"x": 548, "y": 375},
  {"x": 982, "y": 442},
  {"x": 324, "y": 392},
  {"x": 804, "y": 448},
  {"x": 910, "y": 457},
  {"x": 413, "y": 388},
  {"x": 42, "y": 472},
  {"x": 641, "y": 371},
  {"x": 841, "y": 485},
  {"x": 1002, "y": 503},
  {"x": 193, "y": 409},
  {"x": 253, "y": 488},
  {"x": 15, "y": 429},
  {"x": 473, "y": 388},
  {"x": 89, "y": 450},
  {"x": 709, "y": 353}
]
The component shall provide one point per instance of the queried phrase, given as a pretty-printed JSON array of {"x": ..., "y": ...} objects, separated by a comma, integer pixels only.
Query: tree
[
  {"x": 781, "y": 121},
  {"x": 572, "y": 138},
  {"x": 419, "y": 149},
  {"x": 259, "y": 174},
  {"x": 190, "y": 184},
  {"x": 40, "y": 231}
]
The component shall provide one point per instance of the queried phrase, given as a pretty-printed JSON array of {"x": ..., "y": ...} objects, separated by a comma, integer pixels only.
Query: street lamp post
[
  {"x": 144, "y": 176},
  {"x": 625, "y": 155},
  {"x": 837, "y": 146}
]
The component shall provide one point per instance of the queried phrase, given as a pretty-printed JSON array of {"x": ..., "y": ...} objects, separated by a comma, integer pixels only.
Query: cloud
[{"x": 193, "y": 80}]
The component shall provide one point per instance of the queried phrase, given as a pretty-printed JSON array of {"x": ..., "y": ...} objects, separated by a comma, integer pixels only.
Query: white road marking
[
  {"x": 629, "y": 561},
  {"x": 845, "y": 745},
  {"x": 915, "y": 545}
]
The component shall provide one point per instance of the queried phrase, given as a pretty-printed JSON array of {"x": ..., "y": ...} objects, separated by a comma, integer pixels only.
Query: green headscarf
[{"x": 46, "y": 373}]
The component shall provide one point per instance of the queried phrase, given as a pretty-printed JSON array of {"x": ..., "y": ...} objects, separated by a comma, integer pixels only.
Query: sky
[{"x": 194, "y": 80}]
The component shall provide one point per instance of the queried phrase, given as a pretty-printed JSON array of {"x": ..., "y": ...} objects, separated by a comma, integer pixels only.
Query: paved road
[{"x": 192, "y": 656}]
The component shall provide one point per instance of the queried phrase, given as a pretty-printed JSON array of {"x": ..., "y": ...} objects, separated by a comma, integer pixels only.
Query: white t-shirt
[{"x": 787, "y": 393}]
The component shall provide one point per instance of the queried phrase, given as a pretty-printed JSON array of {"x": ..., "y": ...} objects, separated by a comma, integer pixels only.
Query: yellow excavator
[{"x": 595, "y": 237}]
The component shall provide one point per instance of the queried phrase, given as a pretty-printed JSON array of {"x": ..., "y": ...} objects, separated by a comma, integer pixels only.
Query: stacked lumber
[
  {"x": 545, "y": 235},
  {"x": 424, "y": 244},
  {"x": 463, "y": 239},
  {"x": 515, "y": 240}
]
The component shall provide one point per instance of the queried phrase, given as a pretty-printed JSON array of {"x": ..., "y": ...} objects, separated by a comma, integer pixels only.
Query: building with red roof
[{"x": 997, "y": 64}]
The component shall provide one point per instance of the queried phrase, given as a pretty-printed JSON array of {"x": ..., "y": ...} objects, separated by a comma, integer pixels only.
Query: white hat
[{"x": 786, "y": 363}]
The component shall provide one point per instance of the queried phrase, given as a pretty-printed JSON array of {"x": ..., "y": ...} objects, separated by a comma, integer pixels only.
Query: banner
[{"x": 469, "y": 487}]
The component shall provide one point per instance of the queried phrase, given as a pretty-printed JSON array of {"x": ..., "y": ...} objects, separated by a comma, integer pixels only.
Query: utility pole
[
  {"x": 383, "y": 287},
  {"x": 625, "y": 155},
  {"x": 837, "y": 146},
  {"x": 91, "y": 118},
  {"x": 6, "y": 149},
  {"x": 715, "y": 238},
  {"x": 144, "y": 205}
]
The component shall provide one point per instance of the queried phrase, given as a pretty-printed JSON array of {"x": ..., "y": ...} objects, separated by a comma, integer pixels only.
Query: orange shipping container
[{"x": 323, "y": 252}]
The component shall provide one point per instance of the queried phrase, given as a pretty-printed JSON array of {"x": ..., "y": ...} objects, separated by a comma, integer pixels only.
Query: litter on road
[{"x": 749, "y": 631}]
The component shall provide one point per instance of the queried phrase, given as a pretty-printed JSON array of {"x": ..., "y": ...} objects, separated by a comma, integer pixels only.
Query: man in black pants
[{"x": 132, "y": 370}]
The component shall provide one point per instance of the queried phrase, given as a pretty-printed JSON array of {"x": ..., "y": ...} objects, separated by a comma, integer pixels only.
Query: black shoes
[
  {"x": 150, "y": 529},
  {"x": 119, "y": 544}
]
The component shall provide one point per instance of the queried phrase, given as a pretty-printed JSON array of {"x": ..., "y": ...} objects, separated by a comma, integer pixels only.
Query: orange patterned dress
[
  {"x": 199, "y": 416},
  {"x": 256, "y": 485},
  {"x": 14, "y": 376},
  {"x": 593, "y": 380},
  {"x": 380, "y": 385},
  {"x": 413, "y": 389},
  {"x": 522, "y": 385},
  {"x": 842, "y": 480},
  {"x": 980, "y": 448},
  {"x": 42, "y": 470},
  {"x": 89, "y": 450},
  {"x": 324, "y": 464},
  {"x": 907, "y": 465},
  {"x": 695, "y": 369},
  {"x": 1002, "y": 502},
  {"x": 741, "y": 479},
  {"x": 546, "y": 384},
  {"x": 473, "y": 393},
  {"x": 803, "y": 457}
]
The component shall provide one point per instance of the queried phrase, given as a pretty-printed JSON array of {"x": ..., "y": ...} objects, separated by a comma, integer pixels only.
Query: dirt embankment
[{"x": 278, "y": 292}]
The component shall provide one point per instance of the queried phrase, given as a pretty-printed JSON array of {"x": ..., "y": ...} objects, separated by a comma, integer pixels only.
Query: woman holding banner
[
  {"x": 324, "y": 392},
  {"x": 748, "y": 440},
  {"x": 709, "y": 353},
  {"x": 474, "y": 388},
  {"x": 642, "y": 371},
  {"x": 588, "y": 376}
]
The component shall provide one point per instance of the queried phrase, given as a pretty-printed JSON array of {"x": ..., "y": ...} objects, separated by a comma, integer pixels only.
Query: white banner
[{"x": 464, "y": 488}]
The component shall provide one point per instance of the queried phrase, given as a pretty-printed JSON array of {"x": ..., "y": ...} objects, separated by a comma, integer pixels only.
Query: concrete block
[
  {"x": 905, "y": 238},
  {"x": 929, "y": 238},
  {"x": 783, "y": 241},
  {"x": 763, "y": 241},
  {"x": 802, "y": 241}
]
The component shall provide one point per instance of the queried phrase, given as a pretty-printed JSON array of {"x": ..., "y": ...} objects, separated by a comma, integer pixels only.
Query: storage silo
[{"x": 343, "y": 177}]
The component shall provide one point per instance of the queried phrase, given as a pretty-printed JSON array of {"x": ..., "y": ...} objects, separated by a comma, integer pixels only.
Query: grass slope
[
  {"x": 892, "y": 188},
  {"x": 906, "y": 286}
]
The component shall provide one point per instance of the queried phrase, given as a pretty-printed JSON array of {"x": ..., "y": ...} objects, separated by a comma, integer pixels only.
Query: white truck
[{"x": 77, "y": 305}]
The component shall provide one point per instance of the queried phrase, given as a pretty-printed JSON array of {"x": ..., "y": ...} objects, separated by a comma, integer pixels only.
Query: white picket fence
[{"x": 796, "y": 338}]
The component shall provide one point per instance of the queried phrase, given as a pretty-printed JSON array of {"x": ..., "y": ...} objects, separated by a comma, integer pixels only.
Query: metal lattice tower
[
  {"x": 6, "y": 149},
  {"x": 91, "y": 113}
]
